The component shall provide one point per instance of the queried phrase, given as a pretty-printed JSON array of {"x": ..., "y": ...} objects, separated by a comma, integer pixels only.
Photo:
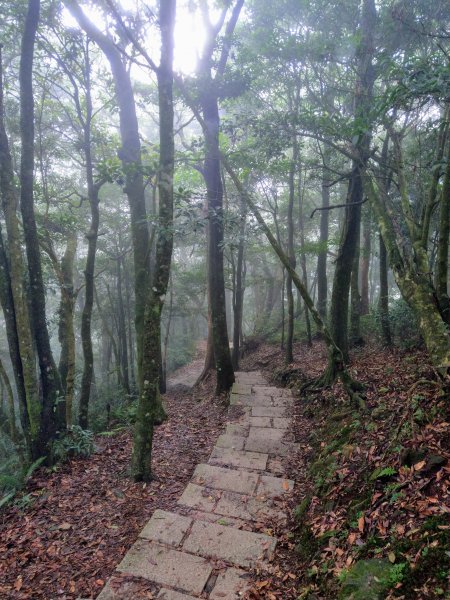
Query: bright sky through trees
[{"x": 189, "y": 32}]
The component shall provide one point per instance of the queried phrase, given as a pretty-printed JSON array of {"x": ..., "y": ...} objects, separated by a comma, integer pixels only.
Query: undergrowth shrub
[{"x": 73, "y": 442}]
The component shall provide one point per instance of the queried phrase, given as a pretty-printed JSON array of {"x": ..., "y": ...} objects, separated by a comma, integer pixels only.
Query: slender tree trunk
[
  {"x": 9, "y": 313},
  {"x": 364, "y": 264},
  {"x": 25, "y": 346},
  {"x": 66, "y": 332},
  {"x": 383, "y": 303},
  {"x": 415, "y": 286},
  {"x": 238, "y": 297},
  {"x": 122, "y": 331},
  {"x": 149, "y": 404},
  {"x": 288, "y": 354},
  {"x": 53, "y": 409},
  {"x": 443, "y": 243},
  {"x": 301, "y": 226},
  {"x": 214, "y": 191},
  {"x": 14, "y": 434},
  {"x": 350, "y": 231},
  {"x": 355, "y": 330},
  {"x": 322, "y": 282}
]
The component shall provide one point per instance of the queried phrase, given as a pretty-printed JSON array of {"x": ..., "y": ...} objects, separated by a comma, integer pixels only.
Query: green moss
[
  {"x": 307, "y": 545},
  {"x": 366, "y": 580}
]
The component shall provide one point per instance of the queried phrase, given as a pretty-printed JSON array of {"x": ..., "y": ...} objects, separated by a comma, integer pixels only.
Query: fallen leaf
[{"x": 361, "y": 524}]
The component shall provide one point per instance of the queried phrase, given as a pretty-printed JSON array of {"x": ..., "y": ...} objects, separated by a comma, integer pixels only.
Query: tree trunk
[
  {"x": 322, "y": 282},
  {"x": 25, "y": 347},
  {"x": 53, "y": 409},
  {"x": 288, "y": 354},
  {"x": 365, "y": 263},
  {"x": 350, "y": 231},
  {"x": 383, "y": 303},
  {"x": 355, "y": 329},
  {"x": 149, "y": 404},
  {"x": 14, "y": 434},
  {"x": 9, "y": 313},
  {"x": 122, "y": 331},
  {"x": 238, "y": 296},
  {"x": 66, "y": 333},
  {"x": 216, "y": 283},
  {"x": 130, "y": 155},
  {"x": 415, "y": 287},
  {"x": 443, "y": 243}
]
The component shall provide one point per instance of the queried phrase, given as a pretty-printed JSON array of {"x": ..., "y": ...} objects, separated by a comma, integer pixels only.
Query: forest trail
[
  {"x": 188, "y": 374},
  {"x": 220, "y": 530}
]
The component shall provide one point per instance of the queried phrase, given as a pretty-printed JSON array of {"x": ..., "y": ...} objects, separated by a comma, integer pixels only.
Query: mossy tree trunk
[
  {"x": 350, "y": 232},
  {"x": 238, "y": 290},
  {"x": 149, "y": 404},
  {"x": 322, "y": 281},
  {"x": 383, "y": 303},
  {"x": 53, "y": 410},
  {"x": 130, "y": 155},
  {"x": 413, "y": 281},
  {"x": 443, "y": 244},
  {"x": 22, "y": 355}
]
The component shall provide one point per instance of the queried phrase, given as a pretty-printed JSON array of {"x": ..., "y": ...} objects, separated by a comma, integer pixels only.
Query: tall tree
[
  {"x": 365, "y": 79},
  {"x": 209, "y": 103}
]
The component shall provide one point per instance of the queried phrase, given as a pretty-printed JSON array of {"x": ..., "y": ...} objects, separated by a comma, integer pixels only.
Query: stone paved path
[{"x": 205, "y": 549}]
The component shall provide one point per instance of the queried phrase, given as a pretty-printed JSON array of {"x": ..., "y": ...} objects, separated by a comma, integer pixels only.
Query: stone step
[
  {"x": 220, "y": 478},
  {"x": 241, "y": 548},
  {"x": 238, "y": 459},
  {"x": 166, "y": 567}
]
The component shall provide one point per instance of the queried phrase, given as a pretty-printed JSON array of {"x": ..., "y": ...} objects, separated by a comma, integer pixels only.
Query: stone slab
[
  {"x": 199, "y": 497},
  {"x": 241, "y": 548},
  {"x": 166, "y": 528},
  {"x": 263, "y": 439},
  {"x": 239, "y": 430},
  {"x": 246, "y": 508},
  {"x": 238, "y": 459},
  {"x": 282, "y": 401},
  {"x": 118, "y": 588},
  {"x": 236, "y": 400},
  {"x": 220, "y": 478},
  {"x": 260, "y": 422},
  {"x": 230, "y": 441},
  {"x": 255, "y": 377},
  {"x": 241, "y": 388},
  {"x": 166, "y": 566},
  {"x": 274, "y": 465},
  {"x": 274, "y": 486},
  {"x": 199, "y": 515},
  {"x": 231, "y": 584},
  {"x": 268, "y": 411},
  {"x": 280, "y": 422},
  {"x": 269, "y": 390},
  {"x": 165, "y": 594}
]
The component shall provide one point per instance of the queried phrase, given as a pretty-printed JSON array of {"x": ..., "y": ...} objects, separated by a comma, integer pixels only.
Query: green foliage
[
  {"x": 13, "y": 481},
  {"x": 404, "y": 325},
  {"x": 74, "y": 442},
  {"x": 366, "y": 580},
  {"x": 382, "y": 472}
]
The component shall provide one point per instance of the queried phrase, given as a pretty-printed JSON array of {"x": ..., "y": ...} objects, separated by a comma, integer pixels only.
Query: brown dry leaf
[
  {"x": 18, "y": 583},
  {"x": 285, "y": 485},
  {"x": 420, "y": 465},
  {"x": 65, "y": 526},
  {"x": 361, "y": 524}
]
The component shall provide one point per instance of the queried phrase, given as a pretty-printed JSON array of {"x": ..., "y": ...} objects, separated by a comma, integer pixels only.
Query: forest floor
[
  {"x": 370, "y": 509},
  {"x": 370, "y": 514},
  {"x": 65, "y": 535}
]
